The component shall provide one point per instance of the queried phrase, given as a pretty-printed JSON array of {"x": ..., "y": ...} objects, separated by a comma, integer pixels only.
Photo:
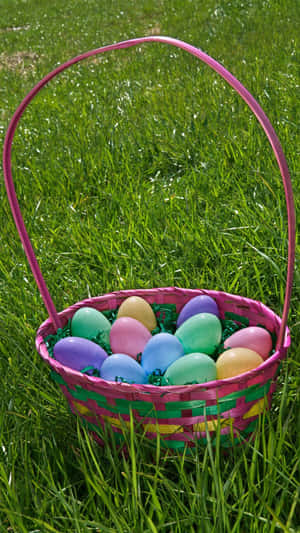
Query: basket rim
[{"x": 81, "y": 379}]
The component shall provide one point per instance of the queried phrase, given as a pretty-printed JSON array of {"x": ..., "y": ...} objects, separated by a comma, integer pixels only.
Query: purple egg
[
  {"x": 198, "y": 304},
  {"x": 79, "y": 353}
]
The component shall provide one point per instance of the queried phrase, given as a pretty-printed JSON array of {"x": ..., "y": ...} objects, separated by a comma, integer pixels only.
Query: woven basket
[{"x": 182, "y": 415}]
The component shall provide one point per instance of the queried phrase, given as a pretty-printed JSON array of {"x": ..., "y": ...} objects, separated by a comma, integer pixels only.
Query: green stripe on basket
[
  {"x": 172, "y": 444},
  {"x": 185, "y": 405},
  {"x": 167, "y": 414},
  {"x": 255, "y": 392},
  {"x": 206, "y": 410},
  {"x": 214, "y": 409},
  {"x": 147, "y": 409},
  {"x": 140, "y": 405},
  {"x": 81, "y": 394},
  {"x": 172, "y": 409}
]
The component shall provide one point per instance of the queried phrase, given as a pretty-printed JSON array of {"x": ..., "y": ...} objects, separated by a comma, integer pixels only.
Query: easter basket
[{"x": 183, "y": 415}]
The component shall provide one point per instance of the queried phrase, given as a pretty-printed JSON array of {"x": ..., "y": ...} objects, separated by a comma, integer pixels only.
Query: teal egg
[
  {"x": 88, "y": 322},
  {"x": 200, "y": 333},
  {"x": 192, "y": 368}
]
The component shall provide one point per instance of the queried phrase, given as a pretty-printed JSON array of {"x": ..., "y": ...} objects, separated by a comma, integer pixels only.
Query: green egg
[
  {"x": 200, "y": 333},
  {"x": 189, "y": 369},
  {"x": 88, "y": 322}
]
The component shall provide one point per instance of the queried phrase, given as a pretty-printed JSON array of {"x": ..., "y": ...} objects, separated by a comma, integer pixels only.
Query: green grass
[{"x": 142, "y": 168}]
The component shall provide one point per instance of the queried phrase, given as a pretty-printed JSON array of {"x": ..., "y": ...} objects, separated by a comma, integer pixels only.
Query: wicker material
[{"x": 181, "y": 414}]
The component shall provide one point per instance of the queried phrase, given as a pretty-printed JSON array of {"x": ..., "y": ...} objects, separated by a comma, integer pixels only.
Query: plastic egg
[
  {"x": 128, "y": 336},
  {"x": 192, "y": 368},
  {"x": 88, "y": 322},
  {"x": 255, "y": 338},
  {"x": 198, "y": 304},
  {"x": 79, "y": 353},
  {"x": 200, "y": 333},
  {"x": 138, "y": 308},
  {"x": 237, "y": 361},
  {"x": 160, "y": 352},
  {"x": 121, "y": 367}
]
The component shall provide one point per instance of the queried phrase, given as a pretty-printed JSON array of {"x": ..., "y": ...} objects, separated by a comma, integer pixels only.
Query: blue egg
[
  {"x": 121, "y": 367},
  {"x": 79, "y": 353},
  {"x": 198, "y": 304},
  {"x": 160, "y": 352}
]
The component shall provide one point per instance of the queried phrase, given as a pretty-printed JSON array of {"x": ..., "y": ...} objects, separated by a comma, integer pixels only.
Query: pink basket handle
[{"x": 252, "y": 103}]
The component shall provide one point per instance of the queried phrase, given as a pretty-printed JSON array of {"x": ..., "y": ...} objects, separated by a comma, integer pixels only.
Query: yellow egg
[
  {"x": 237, "y": 361},
  {"x": 138, "y": 308}
]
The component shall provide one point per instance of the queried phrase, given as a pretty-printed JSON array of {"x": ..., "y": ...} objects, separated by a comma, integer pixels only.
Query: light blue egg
[
  {"x": 160, "y": 352},
  {"x": 121, "y": 367}
]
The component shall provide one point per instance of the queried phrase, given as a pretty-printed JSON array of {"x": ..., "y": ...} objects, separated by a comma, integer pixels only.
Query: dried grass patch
[{"x": 22, "y": 62}]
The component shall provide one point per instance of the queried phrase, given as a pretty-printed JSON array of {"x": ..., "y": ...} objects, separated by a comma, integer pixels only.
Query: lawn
[{"x": 136, "y": 169}]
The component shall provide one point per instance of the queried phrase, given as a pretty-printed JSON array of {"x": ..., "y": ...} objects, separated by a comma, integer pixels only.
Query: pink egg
[
  {"x": 128, "y": 336},
  {"x": 254, "y": 338}
]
